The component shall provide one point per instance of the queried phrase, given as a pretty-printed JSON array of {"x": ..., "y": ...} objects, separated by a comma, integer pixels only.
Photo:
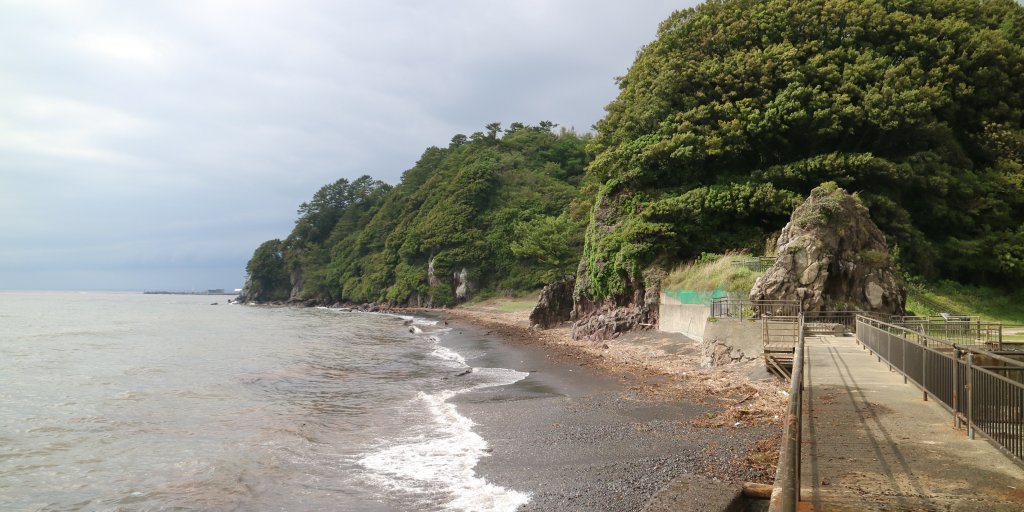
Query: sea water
[{"x": 125, "y": 401}]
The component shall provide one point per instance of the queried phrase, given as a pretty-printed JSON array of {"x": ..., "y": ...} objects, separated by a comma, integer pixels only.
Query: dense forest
[
  {"x": 497, "y": 211},
  {"x": 722, "y": 125}
]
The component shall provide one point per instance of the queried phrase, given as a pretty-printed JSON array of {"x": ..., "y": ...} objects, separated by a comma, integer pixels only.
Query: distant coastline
[{"x": 218, "y": 291}]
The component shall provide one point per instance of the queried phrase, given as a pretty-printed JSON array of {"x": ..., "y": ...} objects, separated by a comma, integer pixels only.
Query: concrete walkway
[{"x": 870, "y": 442}]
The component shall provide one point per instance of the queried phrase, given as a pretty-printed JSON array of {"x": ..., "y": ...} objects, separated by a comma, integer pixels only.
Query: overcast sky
[{"x": 154, "y": 145}]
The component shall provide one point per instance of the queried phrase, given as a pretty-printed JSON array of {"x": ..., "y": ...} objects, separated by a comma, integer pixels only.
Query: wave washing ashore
[
  {"x": 131, "y": 401},
  {"x": 151, "y": 402},
  {"x": 437, "y": 460}
]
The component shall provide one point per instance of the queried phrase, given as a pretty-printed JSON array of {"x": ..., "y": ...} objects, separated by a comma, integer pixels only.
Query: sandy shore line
[
  {"x": 744, "y": 392},
  {"x": 652, "y": 416}
]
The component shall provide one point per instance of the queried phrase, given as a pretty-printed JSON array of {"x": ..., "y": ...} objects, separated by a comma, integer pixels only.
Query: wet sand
[{"x": 589, "y": 431}]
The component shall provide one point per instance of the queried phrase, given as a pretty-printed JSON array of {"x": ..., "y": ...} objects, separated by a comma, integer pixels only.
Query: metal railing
[
  {"x": 846, "y": 319},
  {"x": 726, "y": 307},
  {"x": 981, "y": 388},
  {"x": 962, "y": 330},
  {"x": 755, "y": 264},
  {"x": 786, "y": 492},
  {"x": 1013, "y": 338}
]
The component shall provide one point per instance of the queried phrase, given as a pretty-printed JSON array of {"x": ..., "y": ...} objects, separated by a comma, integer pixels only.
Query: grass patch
[
  {"x": 513, "y": 305},
  {"x": 931, "y": 298},
  {"x": 509, "y": 302},
  {"x": 713, "y": 271}
]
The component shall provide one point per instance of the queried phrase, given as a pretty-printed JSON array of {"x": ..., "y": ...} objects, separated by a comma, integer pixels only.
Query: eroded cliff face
[
  {"x": 603, "y": 319},
  {"x": 832, "y": 256}
]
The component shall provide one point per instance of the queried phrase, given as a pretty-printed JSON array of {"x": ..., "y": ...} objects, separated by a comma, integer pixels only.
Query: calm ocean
[{"x": 125, "y": 401}]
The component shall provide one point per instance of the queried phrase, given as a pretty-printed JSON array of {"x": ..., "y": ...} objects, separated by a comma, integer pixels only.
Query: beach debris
[{"x": 738, "y": 423}]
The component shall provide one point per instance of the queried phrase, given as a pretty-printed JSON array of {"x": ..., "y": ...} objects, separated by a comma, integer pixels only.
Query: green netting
[{"x": 696, "y": 296}]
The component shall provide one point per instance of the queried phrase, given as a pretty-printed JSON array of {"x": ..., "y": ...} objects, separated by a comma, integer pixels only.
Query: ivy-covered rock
[{"x": 832, "y": 257}]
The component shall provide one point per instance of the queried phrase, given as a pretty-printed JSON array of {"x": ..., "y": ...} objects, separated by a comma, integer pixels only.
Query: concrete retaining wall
[
  {"x": 731, "y": 341},
  {"x": 722, "y": 341},
  {"x": 688, "y": 319}
]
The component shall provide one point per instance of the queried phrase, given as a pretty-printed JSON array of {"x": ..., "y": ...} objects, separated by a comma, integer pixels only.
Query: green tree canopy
[
  {"x": 505, "y": 205},
  {"x": 740, "y": 107}
]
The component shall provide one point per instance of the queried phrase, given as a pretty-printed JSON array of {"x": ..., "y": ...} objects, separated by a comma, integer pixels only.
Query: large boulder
[
  {"x": 554, "y": 305},
  {"x": 831, "y": 256}
]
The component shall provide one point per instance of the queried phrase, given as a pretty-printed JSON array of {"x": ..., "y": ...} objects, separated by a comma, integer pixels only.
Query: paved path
[{"x": 870, "y": 442}]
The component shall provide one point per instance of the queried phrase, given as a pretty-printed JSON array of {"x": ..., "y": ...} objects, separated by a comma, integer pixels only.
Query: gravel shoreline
[{"x": 605, "y": 426}]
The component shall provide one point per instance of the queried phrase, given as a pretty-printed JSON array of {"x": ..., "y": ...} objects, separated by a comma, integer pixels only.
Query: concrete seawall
[{"x": 688, "y": 319}]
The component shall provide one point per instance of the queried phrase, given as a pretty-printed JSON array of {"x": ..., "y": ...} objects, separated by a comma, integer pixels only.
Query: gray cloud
[{"x": 156, "y": 144}]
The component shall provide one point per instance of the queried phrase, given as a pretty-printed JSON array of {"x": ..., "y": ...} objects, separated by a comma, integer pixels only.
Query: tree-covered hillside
[
  {"x": 740, "y": 107},
  {"x": 723, "y": 124},
  {"x": 505, "y": 205}
]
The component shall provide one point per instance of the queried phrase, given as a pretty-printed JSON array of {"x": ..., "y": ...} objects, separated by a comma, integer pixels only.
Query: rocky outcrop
[
  {"x": 831, "y": 256},
  {"x": 554, "y": 305},
  {"x": 432, "y": 279},
  {"x": 295, "y": 276},
  {"x": 462, "y": 285},
  {"x": 607, "y": 319}
]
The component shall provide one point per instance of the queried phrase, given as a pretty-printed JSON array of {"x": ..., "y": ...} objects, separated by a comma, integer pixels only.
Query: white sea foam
[
  {"x": 448, "y": 354},
  {"x": 444, "y": 459},
  {"x": 444, "y": 456}
]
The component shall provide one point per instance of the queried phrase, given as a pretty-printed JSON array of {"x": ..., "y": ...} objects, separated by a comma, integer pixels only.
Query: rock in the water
[
  {"x": 831, "y": 256},
  {"x": 554, "y": 305}
]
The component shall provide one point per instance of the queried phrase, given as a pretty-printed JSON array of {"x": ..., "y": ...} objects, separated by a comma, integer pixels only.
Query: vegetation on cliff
[
  {"x": 740, "y": 107},
  {"x": 505, "y": 205},
  {"x": 723, "y": 124}
]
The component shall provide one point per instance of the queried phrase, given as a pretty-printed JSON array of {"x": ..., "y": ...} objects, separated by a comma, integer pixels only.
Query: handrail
[
  {"x": 786, "y": 494},
  {"x": 959, "y": 377},
  {"x": 926, "y": 339},
  {"x": 727, "y": 307}
]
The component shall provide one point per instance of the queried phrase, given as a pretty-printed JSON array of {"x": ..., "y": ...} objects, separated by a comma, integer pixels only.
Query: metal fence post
[
  {"x": 903, "y": 346},
  {"x": 956, "y": 387},
  {"x": 924, "y": 374},
  {"x": 970, "y": 395}
]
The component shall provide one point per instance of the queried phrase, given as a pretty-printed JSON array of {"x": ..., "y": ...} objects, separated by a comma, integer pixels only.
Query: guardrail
[
  {"x": 786, "y": 492},
  {"x": 725, "y": 307},
  {"x": 1013, "y": 338},
  {"x": 981, "y": 388},
  {"x": 755, "y": 264},
  {"x": 963, "y": 330},
  {"x": 846, "y": 318}
]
